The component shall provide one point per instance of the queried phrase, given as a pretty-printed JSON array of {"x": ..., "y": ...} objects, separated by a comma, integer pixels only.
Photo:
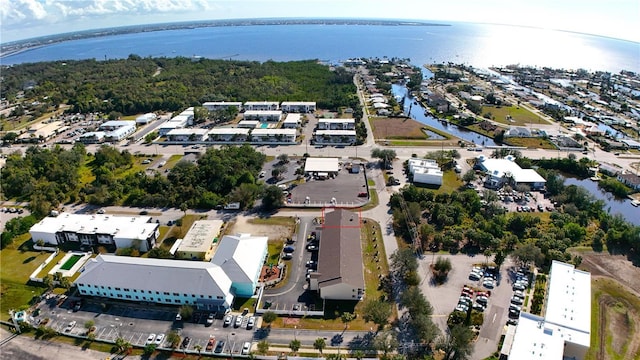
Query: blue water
[
  {"x": 478, "y": 45},
  {"x": 612, "y": 204},
  {"x": 416, "y": 112}
]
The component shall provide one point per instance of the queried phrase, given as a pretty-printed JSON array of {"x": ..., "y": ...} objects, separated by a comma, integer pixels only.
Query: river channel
[
  {"x": 612, "y": 204},
  {"x": 417, "y": 112}
]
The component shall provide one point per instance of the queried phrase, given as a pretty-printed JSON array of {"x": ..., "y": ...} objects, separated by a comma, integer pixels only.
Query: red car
[{"x": 362, "y": 194}]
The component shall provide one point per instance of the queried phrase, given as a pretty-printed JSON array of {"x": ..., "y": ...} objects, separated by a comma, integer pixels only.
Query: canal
[
  {"x": 417, "y": 112},
  {"x": 612, "y": 204}
]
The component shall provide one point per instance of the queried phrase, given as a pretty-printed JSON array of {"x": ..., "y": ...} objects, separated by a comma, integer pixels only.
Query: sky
[{"x": 23, "y": 19}]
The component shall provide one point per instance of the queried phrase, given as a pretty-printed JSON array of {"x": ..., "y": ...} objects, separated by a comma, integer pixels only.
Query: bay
[
  {"x": 479, "y": 45},
  {"x": 613, "y": 205}
]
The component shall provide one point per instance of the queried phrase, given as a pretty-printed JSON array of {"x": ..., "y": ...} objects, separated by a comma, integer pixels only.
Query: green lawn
[
  {"x": 536, "y": 143},
  {"x": 70, "y": 262},
  {"x": 16, "y": 267},
  {"x": 519, "y": 115},
  {"x": 450, "y": 182},
  {"x": 50, "y": 265},
  {"x": 173, "y": 160}
]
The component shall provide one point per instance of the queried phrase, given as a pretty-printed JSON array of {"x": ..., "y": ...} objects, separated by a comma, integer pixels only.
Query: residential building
[
  {"x": 228, "y": 135},
  {"x": 274, "y": 135},
  {"x": 190, "y": 135},
  {"x": 200, "y": 241},
  {"x": 249, "y": 124},
  {"x": 262, "y": 115},
  {"x": 161, "y": 281},
  {"x": 336, "y": 124},
  {"x": 241, "y": 257},
  {"x": 94, "y": 137},
  {"x": 564, "y": 332},
  {"x": 631, "y": 180},
  {"x": 506, "y": 171},
  {"x": 335, "y": 137},
  {"x": 120, "y": 133},
  {"x": 298, "y": 106},
  {"x": 291, "y": 121},
  {"x": 167, "y": 126},
  {"x": 261, "y": 105},
  {"x": 146, "y": 118},
  {"x": 340, "y": 274},
  {"x": 222, "y": 105},
  {"x": 99, "y": 229}
]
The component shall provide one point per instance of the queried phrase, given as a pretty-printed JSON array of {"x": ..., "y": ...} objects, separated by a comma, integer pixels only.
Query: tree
[
  {"x": 319, "y": 344},
  {"x": 263, "y": 347},
  {"x": 385, "y": 155},
  {"x": 269, "y": 317},
  {"x": 149, "y": 349},
  {"x": 198, "y": 348},
  {"x": 184, "y": 207},
  {"x": 358, "y": 354},
  {"x": 173, "y": 338},
  {"x": 346, "y": 318},
  {"x": 377, "y": 311},
  {"x": 528, "y": 253},
  {"x": 159, "y": 253},
  {"x": 47, "y": 280},
  {"x": 457, "y": 343},
  {"x": 385, "y": 342},
  {"x": 186, "y": 312},
  {"x": 294, "y": 345},
  {"x": 91, "y": 337},
  {"x": 65, "y": 282},
  {"x": 278, "y": 171},
  {"x": 283, "y": 158},
  {"x": 469, "y": 176},
  {"x": 273, "y": 197},
  {"x": 89, "y": 324}
]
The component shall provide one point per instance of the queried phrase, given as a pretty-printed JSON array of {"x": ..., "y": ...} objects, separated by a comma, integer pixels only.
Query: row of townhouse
[
  {"x": 179, "y": 121},
  {"x": 233, "y": 135},
  {"x": 285, "y": 106},
  {"x": 335, "y": 132},
  {"x": 111, "y": 131}
]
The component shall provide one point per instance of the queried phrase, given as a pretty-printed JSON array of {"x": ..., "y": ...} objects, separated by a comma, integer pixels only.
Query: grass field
[
  {"x": 519, "y": 115},
  {"x": 537, "y": 143},
  {"x": 69, "y": 263},
  {"x": 16, "y": 267},
  {"x": 615, "y": 315},
  {"x": 50, "y": 265}
]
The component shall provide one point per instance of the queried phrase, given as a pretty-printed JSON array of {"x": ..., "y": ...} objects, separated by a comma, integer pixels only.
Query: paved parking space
[{"x": 444, "y": 298}]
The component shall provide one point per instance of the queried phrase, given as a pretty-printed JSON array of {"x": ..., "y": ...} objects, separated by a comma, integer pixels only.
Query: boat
[
  {"x": 635, "y": 203},
  {"x": 595, "y": 178}
]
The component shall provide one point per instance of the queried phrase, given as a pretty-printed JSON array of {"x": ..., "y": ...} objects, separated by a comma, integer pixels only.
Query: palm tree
[
  {"x": 198, "y": 348},
  {"x": 358, "y": 354},
  {"x": 294, "y": 345},
  {"x": 319, "y": 344}
]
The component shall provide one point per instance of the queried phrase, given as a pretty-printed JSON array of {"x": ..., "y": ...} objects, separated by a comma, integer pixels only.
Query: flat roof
[
  {"x": 200, "y": 236},
  {"x": 499, "y": 167},
  {"x": 117, "y": 123},
  {"x": 292, "y": 118},
  {"x": 336, "y": 132},
  {"x": 339, "y": 121},
  {"x": 125, "y": 227},
  {"x": 274, "y": 132},
  {"x": 569, "y": 301},
  {"x": 171, "y": 125},
  {"x": 222, "y": 103},
  {"x": 261, "y": 103},
  {"x": 188, "y": 131},
  {"x": 321, "y": 165},
  {"x": 298, "y": 103},
  {"x": 229, "y": 131},
  {"x": 536, "y": 340},
  {"x": 96, "y": 134},
  {"x": 262, "y": 112}
]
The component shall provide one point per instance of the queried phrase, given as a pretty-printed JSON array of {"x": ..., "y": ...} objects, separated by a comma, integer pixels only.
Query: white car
[
  {"x": 159, "y": 339},
  {"x": 246, "y": 348},
  {"x": 150, "y": 339},
  {"x": 251, "y": 323},
  {"x": 228, "y": 320},
  {"x": 70, "y": 326},
  {"x": 238, "y": 322},
  {"x": 516, "y": 300},
  {"x": 482, "y": 300},
  {"x": 489, "y": 284}
]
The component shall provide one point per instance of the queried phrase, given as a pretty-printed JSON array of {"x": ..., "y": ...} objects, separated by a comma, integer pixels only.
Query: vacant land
[
  {"x": 536, "y": 143},
  {"x": 512, "y": 115},
  {"x": 275, "y": 228},
  {"x": 397, "y": 128}
]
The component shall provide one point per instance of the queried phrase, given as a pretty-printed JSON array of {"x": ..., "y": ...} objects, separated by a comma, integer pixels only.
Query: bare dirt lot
[
  {"x": 397, "y": 128},
  {"x": 247, "y": 225},
  {"x": 616, "y": 267}
]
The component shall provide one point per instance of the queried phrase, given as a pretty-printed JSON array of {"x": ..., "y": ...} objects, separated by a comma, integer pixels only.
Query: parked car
[
  {"x": 238, "y": 321},
  {"x": 516, "y": 300},
  {"x": 479, "y": 307},
  {"x": 210, "y": 319},
  {"x": 185, "y": 342},
  {"x": 251, "y": 323},
  {"x": 519, "y": 294},
  {"x": 150, "y": 339},
  {"x": 227, "y": 320},
  {"x": 246, "y": 348},
  {"x": 219, "y": 347},
  {"x": 159, "y": 339},
  {"x": 311, "y": 264},
  {"x": 519, "y": 286},
  {"x": 312, "y": 247},
  {"x": 474, "y": 276},
  {"x": 482, "y": 300},
  {"x": 210, "y": 343},
  {"x": 488, "y": 283},
  {"x": 70, "y": 326},
  {"x": 362, "y": 194}
]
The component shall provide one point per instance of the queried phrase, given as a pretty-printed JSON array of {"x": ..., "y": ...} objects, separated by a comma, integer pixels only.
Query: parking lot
[
  {"x": 135, "y": 323},
  {"x": 444, "y": 298},
  {"x": 346, "y": 189}
]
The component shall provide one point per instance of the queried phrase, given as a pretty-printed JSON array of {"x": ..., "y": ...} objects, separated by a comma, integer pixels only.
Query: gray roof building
[{"x": 340, "y": 274}]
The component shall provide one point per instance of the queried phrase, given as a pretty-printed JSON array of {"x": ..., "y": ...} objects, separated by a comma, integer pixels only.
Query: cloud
[{"x": 18, "y": 13}]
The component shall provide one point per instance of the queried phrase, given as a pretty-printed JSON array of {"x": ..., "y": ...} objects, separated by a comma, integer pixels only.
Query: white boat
[{"x": 635, "y": 202}]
